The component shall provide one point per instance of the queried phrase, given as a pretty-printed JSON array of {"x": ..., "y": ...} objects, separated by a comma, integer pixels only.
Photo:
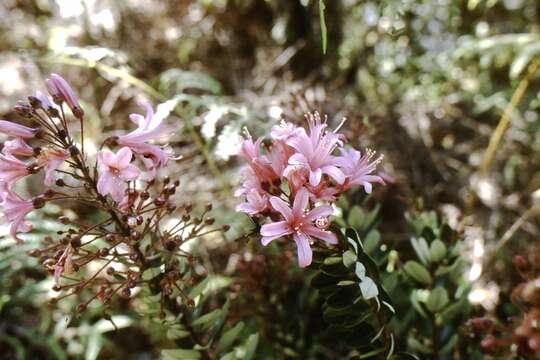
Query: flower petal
[
  {"x": 276, "y": 229},
  {"x": 334, "y": 173},
  {"x": 315, "y": 177},
  {"x": 123, "y": 157},
  {"x": 130, "y": 172},
  {"x": 318, "y": 212},
  {"x": 300, "y": 202},
  {"x": 327, "y": 236},
  {"x": 304, "y": 250},
  {"x": 281, "y": 206}
]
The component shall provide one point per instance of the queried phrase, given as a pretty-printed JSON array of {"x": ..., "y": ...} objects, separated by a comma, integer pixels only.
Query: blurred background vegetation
[{"x": 424, "y": 82}]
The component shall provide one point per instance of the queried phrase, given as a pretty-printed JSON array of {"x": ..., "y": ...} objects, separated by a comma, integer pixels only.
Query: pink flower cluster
[
  {"x": 50, "y": 145},
  {"x": 295, "y": 181}
]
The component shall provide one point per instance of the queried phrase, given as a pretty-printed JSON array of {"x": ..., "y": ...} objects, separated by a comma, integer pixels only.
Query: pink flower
[
  {"x": 279, "y": 157},
  {"x": 322, "y": 192},
  {"x": 256, "y": 202},
  {"x": 149, "y": 128},
  {"x": 11, "y": 169},
  {"x": 250, "y": 182},
  {"x": 359, "y": 169},
  {"x": 15, "y": 209},
  {"x": 299, "y": 224},
  {"x": 52, "y": 158},
  {"x": 16, "y": 130},
  {"x": 17, "y": 146},
  {"x": 314, "y": 152},
  {"x": 285, "y": 130},
  {"x": 61, "y": 91},
  {"x": 251, "y": 152},
  {"x": 114, "y": 169}
]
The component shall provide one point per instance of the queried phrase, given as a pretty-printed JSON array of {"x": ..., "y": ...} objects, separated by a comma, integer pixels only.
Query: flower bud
[
  {"x": 489, "y": 344},
  {"x": 159, "y": 201},
  {"x": 23, "y": 109},
  {"x": 75, "y": 241},
  {"x": 520, "y": 263},
  {"x": 61, "y": 91},
  {"x": 16, "y": 130},
  {"x": 38, "y": 202},
  {"x": 170, "y": 245},
  {"x": 73, "y": 150}
]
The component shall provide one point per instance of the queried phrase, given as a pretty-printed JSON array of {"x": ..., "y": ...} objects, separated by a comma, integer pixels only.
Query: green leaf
[
  {"x": 421, "y": 249},
  {"x": 455, "y": 309},
  {"x": 228, "y": 337},
  {"x": 349, "y": 258},
  {"x": 450, "y": 345},
  {"x": 437, "y": 250},
  {"x": 208, "y": 319},
  {"x": 443, "y": 270},
  {"x": 437, "y": 300},
  {"x": 177, "y": 332},
  {"x": 524, "y": 58},
  {"x": 417, "y": 346},
  {"x": 368, "y": 288},
  {"x": 416, "y": 304},
  {"x": 360, "y": 270},
  {"x": 371, "y": 241},
  {"x": 199, "y": 288},
  {"x": 418, "y": 272},
  {"x": 94, "y": 345},
  {"x": 180, "y": 354},
  {"x": 356, "y": 217},
  {"x": 251, "y": 346},
  {"x": 324, "y": 35},
  {"x": 179, "y": 80}
]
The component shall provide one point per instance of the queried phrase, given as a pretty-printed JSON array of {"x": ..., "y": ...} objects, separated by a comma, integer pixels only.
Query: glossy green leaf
[
  {"x": 437, "y": 300},
  {"x": 418, "y": 272},
  {"x": 437, "y": 250},
  {"x": 369, "y": 288},
  {"x": 180, "y": 354},
  {"x": 228, "y": 338}
]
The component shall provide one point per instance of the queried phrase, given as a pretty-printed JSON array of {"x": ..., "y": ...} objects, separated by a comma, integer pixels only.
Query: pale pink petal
[
  {"x": 282, "y": 207},
  {"x": 105, "y": 183},
  {"x": 325, "y": 235},
  {"x": 334, "y": 173},
  {"x": 304, "y": 250},
  {"x": 315, "y": 177},
  {"x": 247, "y": 208},
  {"x": 300, "y": 202},
  {"x": 279, "y": 228},
  {"x": 106, "y": 158},
  {"x": 298, "y": 159},
  {"x": 367, "y": 187},
  {"x": 130, "y": 172},
  {"x": 118, "y": 191},
  {"x": 123, "y": 157},
  {"x": 318, "y": 212}
]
